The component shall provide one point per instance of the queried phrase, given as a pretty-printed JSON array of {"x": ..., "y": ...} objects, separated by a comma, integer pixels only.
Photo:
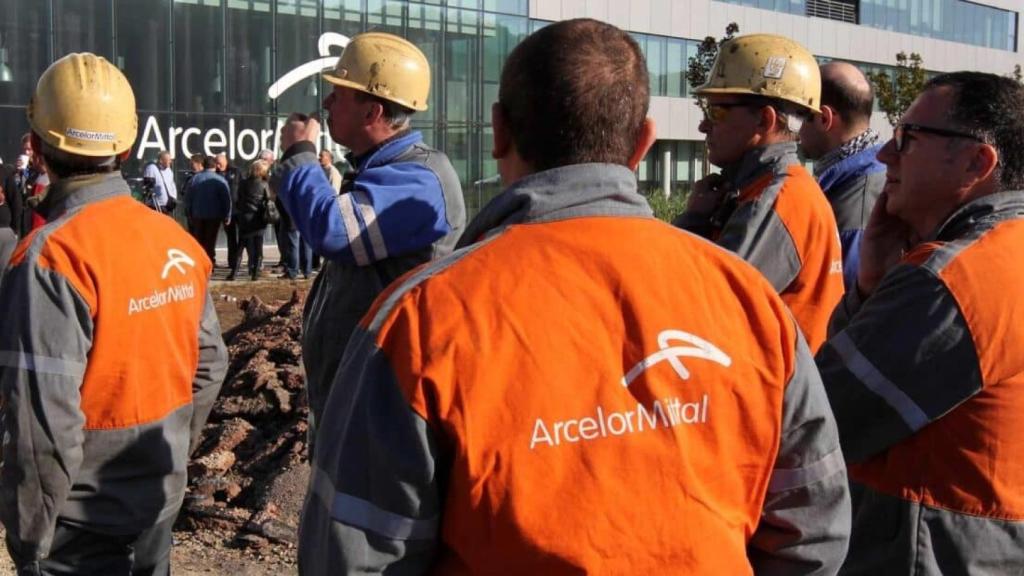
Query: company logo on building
[
  {"x": 667, "y": 412},
  {"x": 247, "y": 142}
]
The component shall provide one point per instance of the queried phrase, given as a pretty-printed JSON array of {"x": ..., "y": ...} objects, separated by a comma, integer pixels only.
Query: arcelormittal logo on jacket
[
  {"x": 177, "y": 264},
  {"x": 666, "y": 412}
]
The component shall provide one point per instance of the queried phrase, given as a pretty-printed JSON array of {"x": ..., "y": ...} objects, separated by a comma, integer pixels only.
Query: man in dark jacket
[
  {"x": 234, "y": 177},
  {"x": 208, "y": 205},
  {"x": 844, "y": 147}
]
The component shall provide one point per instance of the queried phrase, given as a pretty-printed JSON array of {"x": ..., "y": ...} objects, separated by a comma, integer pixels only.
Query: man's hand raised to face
[{"x": 298, "y": 128}]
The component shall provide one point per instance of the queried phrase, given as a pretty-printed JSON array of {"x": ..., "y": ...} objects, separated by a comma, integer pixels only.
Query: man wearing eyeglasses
[
  {"x": 764, "y": 205},
  {"x": 924, "y": 366}
]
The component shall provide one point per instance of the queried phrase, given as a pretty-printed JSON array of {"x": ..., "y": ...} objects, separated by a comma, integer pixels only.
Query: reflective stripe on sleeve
[
  {"x": 348, "y": 215},
  {"x": 380, "y": 250},
  {"x": 365, "y": 515},
  {"x": 790, "y": 478},
  {"x": 42, "y": 364},
  {"x": 868, "y": 374}
]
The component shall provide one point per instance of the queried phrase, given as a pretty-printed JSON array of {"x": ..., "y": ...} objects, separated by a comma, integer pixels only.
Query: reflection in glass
[
  {"x": 250, "y": 36},
  {"x": 144, "y": 51},
  {"x": 199, "y": 56},
  {"x": 83, "y": 26},
  {"x": 24, "y": 40},
  {"x": 298, "y": 29}
]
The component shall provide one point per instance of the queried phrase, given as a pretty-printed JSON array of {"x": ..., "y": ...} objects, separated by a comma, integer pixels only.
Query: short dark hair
[
  {"x": 575, "y": 92},
  {"x": 850, "y": 101},
  {"x": 197, "y": 159},
  {"x": 209, "y": 162},
  {"x": 991, "y": 108}
]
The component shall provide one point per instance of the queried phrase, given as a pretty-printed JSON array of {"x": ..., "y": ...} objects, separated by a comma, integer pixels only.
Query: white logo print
[
  {"x": 774, "y": 67},
  {"x": 701, "y": 349},
  {"x": 324, "y": 44},
  {"x": 659, "y": 413},
  {"x": 175, "y": 259}
]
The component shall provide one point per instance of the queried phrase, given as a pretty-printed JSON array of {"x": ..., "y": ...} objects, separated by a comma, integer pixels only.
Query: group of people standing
[
  {"x": 822, "y": 375},
  {"x": 218, "y": 198}
]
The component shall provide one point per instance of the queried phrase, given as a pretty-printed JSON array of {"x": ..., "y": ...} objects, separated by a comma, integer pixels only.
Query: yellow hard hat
[
  {"x": 386, "y": 66},
  {"x": 84, "y": 105},
  {"x": 766, "y": 65}
]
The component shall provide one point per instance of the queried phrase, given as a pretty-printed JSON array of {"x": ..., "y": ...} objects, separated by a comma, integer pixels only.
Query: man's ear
[
  {"x": 827, "y": 117},
  {"x": 983, "y": 163},
  {"x": 644, "y": 141},
  {"x": 502, "y": 136},
  {"x": 768, "y": 119},
  {"x": 374, "y": 112}
]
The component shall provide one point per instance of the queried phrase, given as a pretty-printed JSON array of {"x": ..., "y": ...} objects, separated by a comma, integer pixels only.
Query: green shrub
[{"x": 666, "y": 209}]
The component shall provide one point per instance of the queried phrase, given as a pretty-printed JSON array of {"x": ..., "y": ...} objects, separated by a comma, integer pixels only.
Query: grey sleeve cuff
[
  {"x": 805, "y": 523},
  {"x": 213, "y": 367}
]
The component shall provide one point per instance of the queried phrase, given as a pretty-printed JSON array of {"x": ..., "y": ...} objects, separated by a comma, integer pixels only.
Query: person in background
[
  {"x": 844, "y": 148},
  {"x": 8, "y": 239},
  {"x": 209, "y": 205},
  {"x": 234, "y": 177},
  {"x": 402, "y": 207},
  {"x": 765, "y": 205},
  {"x": 165, "y": 191},
  {"x": 330, "y": 170},
  {"x": 253, "y": 213}
]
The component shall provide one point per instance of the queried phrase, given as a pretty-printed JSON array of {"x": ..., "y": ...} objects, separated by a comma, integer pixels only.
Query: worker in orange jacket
[
  {"x": 581, "y": 388},
  {"x": 110, "y": 351},
  {"x": 764, "y": 205},
  {"x": 924, "y": 365}
]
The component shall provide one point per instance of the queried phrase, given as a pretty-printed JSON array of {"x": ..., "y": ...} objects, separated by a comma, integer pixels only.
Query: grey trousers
[{"x": 79, "y": 552}]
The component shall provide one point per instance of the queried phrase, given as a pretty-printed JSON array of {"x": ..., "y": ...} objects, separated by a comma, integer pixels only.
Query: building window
[{"x": 954, "y": 20}]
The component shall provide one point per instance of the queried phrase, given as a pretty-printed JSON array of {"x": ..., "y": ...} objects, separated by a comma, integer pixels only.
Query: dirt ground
[{"x": 209, "y": 552}]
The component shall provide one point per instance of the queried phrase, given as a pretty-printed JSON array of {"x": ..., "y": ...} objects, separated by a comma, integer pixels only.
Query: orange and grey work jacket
[
  {"x": 777, "y": 218},
  {"x": 926, "y": 379},
  {"x": 110, "y": 360},
  {"x": 582, "y": 388}
]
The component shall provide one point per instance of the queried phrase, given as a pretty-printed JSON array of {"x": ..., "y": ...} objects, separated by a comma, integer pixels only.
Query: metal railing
[{"x": 841, "y": 10}]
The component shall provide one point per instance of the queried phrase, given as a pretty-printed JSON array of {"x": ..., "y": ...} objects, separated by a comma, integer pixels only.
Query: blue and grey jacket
[
  {"x": 402, "y": 207},
  {"x": 852, "y": 186}
]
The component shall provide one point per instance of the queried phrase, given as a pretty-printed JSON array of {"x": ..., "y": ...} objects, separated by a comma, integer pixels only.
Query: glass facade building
[
  {"x": 954, "y": 20},
  {"x": 219, "y": 75},
  {"x": 201, "y": 69}
]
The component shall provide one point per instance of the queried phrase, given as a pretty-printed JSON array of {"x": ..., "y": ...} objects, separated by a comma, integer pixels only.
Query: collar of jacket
[
  {"x": 986, "y": 210},
  {"x": 385, "y": 151},
  {"x": 859, "y": 164},
  {"x": 68, "y": 194},
  {"x": 575, "y": 191},
  {"x": 757, "y": 161}
]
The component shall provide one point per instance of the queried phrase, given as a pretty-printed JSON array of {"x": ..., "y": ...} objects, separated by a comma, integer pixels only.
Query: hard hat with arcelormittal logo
[
  {"x": 766, "y": 65},
  {"x": 84, "y": 105},
  {"x": 385, "y": 66}
]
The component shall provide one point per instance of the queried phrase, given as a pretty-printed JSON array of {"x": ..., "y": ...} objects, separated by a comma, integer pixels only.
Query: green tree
[
  {"x": 699, "y": 66},
  {"x": 1016, "y": 74},
  {"x": 896, "y": 94}
]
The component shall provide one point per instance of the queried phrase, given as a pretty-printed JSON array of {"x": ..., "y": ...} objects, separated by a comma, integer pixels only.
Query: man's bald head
[{"x": 845, "y": 89}]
